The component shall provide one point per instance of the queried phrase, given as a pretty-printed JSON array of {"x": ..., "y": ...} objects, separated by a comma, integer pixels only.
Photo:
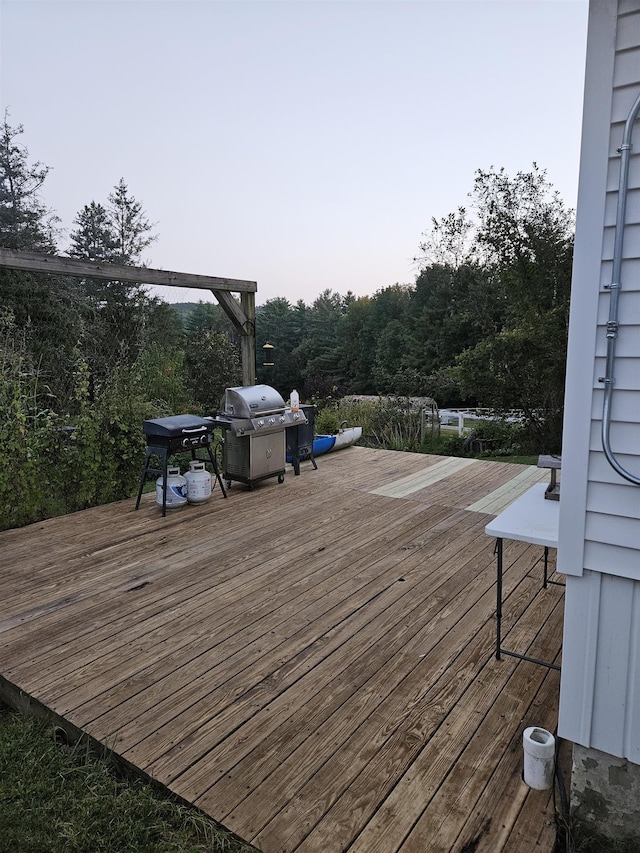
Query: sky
[{"x": 301, "y": 144}]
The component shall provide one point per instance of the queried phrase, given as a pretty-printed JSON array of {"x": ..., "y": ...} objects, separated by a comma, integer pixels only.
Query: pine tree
[
  {"x": 129, "y": 225},
  {"x": 117, "y": 233},
  {"x": 94, "y": 238},
  {"x": 25, "y": 223}
]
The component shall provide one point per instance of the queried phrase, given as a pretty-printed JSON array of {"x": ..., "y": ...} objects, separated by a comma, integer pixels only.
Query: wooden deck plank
[
  {"x": 501, "y": 497},
  {"x": 393, "y": 656},
  {"x": 329, "y": 591},
  {"x": 323, "y": 653},
  {"x": 381, "y": 763},
  {"x": 466, "y": 786},
  {"x": 416, "y": 481},
  {"x": 425, "y": 680},
  {"x": 311, "y": 663},
  {"x": 224, "y": 605},
  {"x": 398, "y": 814}
]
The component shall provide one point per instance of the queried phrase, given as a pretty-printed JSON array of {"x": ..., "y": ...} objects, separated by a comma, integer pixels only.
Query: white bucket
[
  {"x": 198, "y": 483},
  {"x": 539, "y": 757},
  {"x": 176, "y": 489}
]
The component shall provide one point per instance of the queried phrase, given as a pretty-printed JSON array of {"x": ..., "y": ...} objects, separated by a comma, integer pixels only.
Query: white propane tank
[
  {"x": 198, "y": 483},
  {"x": 176, "y": 489}
]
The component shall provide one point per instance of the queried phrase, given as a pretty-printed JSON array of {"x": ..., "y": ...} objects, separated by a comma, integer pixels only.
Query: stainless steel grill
[{"x": 255, "y": 418}]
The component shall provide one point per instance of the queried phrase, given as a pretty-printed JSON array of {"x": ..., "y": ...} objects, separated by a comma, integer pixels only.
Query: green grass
[
  {"x": 60, "y": 799},
  {"x": 517, "y": 460}
]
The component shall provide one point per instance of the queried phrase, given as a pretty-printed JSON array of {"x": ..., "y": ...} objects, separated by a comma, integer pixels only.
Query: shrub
[{"x": 26, "y": 430}]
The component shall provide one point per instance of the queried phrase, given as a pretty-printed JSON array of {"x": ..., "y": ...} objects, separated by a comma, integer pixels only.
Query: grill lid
[
  {"x": 177, "y": 425},
  {"x": 251, "y": 401}
]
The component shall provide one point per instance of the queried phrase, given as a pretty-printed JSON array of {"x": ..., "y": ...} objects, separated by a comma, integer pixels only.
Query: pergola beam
[
  {"x": 242, "y": 315},
  {"x": 34, "y": 262}
]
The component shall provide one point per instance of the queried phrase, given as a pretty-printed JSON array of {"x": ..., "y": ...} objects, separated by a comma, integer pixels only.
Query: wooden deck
[{"x": 309, "y": 663}]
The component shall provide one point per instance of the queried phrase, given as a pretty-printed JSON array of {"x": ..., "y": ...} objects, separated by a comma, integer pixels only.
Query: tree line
[
  {"x": 85, "y": 361},
  {"x": 484, "y": 324}
]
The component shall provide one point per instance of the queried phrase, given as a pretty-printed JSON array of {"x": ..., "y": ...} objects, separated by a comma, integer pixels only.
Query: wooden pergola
[{"x": 242, "y": 314}]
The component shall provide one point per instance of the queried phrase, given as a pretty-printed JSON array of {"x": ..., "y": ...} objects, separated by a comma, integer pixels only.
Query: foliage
[
  {"x": 206, "y": 316},
  {"x": 449, "y": 243},
  {"x": 43, "y": 307},
  {"x": 56, "y": 798},
  {"x": 524, "y": 241},
  {"x": 583, "y": 837},
  {"x": 117, "y": 311},
  {"x": 108, "y": 445},
  {"x": 357, "y": 338},
  {"x": 26, "y": 429},
  {"x": 25, "y": 223},
  {"x": 161, "y": 375},
  {"x": 284, "y": 327},
  {"x": 521, "y": 368},
  {"x": 319, "y": 348},
  {"x": 498, "y": 438},
  {"x": 48, "y": 311},
  {"x": 211, "y": 364},
  {"x": 129, "y": 225},
  {"x": 391, "y": 422},
  {"x": 94, "y": 237}
]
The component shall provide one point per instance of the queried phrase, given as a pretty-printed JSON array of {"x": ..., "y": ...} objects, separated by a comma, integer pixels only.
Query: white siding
[
  {"x": 599, "y": 538},
  {"x": 600, "y": 694},
  {"x": 611, "y": 86}
]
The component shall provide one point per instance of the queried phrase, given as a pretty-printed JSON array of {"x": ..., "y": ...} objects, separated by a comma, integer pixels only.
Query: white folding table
[{"x": 530, "y": 518}]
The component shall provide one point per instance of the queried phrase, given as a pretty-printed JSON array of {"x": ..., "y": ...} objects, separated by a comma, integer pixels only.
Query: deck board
[{"x": 309, "y": 663}]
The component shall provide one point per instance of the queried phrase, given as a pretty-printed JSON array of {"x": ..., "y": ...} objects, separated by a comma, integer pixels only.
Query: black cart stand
[
  {"x": 177, "y": 434},
  {"x": 300, "y": 440}
]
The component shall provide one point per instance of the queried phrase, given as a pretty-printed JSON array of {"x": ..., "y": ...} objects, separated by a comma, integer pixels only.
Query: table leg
[{"x": 498, "y": 596}]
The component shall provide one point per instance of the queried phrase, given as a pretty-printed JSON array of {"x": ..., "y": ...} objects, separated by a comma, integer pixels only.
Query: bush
[
  {"x": 27, "y": 430},
  {"x": 387, "y": 422},
  {"x": 101, "y": 461},
  {"x": 499, "y": 438}
]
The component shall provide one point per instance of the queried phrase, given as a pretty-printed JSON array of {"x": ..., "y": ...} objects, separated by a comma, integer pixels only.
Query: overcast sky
[{"x": 302, "y": 144}]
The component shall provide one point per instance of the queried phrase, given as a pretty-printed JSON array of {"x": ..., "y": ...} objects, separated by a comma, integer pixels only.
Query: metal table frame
[{"x": 530, "y": 518}]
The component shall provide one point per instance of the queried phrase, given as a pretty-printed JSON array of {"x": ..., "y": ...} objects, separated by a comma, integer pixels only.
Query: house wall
[{"x": 599, "y": 538}]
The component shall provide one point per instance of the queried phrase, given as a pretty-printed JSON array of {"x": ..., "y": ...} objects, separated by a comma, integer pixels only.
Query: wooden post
[{"x": 248, "y": 302}]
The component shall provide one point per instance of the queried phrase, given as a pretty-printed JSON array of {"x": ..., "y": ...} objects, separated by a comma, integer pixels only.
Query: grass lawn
[
  {"x": 60, "y": 799},
  {"x": 517, "y": 460}
]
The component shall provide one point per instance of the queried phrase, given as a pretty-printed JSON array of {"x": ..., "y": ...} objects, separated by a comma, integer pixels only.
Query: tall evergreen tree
[
  {"x": 94, "y": 237},
  {"x": 131, "y": 229},
  {"x": 119, "y": 321},
  {"x": 44, "y": 308},
  {"x": 26, "y": 223}
]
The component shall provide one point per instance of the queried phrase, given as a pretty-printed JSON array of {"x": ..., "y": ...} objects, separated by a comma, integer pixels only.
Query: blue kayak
[{"x": 326, "y": 443}]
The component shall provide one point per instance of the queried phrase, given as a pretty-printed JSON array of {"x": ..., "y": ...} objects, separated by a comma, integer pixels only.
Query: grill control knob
[
  {"x": 272, "y": 421},
  {"x": 282, "y": 419},
  {"x": 260, "y": 423}
]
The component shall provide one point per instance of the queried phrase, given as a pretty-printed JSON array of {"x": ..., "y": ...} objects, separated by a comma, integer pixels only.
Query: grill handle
[{"x": 195, "y": 429}]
